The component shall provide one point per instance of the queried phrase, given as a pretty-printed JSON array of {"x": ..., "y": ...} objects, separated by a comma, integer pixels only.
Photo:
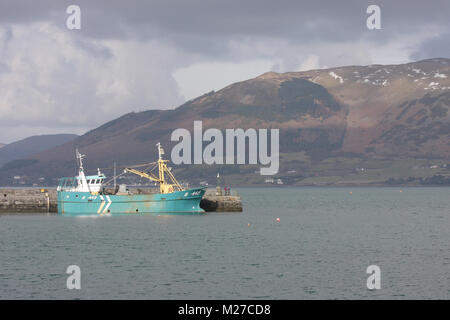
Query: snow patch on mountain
[
  {"x": 335, "y": 76},
  {"x": 432, "y": 86},
  {"x": 440, "y": 75}
]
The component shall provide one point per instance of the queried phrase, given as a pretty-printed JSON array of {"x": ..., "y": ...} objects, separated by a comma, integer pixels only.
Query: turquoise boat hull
[{"x": 87, "y": 204}]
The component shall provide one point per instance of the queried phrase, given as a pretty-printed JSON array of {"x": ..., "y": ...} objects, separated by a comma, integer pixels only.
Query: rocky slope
[{"x": 376, "y": 111}]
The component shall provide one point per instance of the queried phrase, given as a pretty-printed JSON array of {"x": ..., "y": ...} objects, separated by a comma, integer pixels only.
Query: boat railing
[
  {"x": 67, "y": 183},
  {"x": 219, "y": 191}
]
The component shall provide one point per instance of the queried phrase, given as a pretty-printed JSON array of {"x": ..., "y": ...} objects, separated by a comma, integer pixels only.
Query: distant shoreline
[{"x": 268, "y": 186}]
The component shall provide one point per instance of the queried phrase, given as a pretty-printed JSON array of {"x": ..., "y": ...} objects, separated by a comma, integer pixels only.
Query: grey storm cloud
[
  {"x": 438, "y": 47},
  {"x": 136, "y": 55},
  {"x": 203, "y": 22}
]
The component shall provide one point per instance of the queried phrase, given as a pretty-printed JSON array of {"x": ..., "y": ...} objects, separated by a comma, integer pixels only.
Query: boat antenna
[
  {"x": 160, "y": 150},
  {"x": 80, "y": 158},
  {"x": 115, "y": 175}
]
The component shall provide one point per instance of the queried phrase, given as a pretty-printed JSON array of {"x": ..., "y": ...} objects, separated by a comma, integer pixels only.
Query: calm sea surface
[{"x": 320, "y": 249}]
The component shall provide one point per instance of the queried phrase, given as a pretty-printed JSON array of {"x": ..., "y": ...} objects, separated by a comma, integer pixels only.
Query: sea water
[{"x": 289, "y": 243}]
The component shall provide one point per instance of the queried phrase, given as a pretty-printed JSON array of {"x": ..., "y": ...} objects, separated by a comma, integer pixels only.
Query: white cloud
[
  {"x": 51, "y": 78},
  {"x": 311, "y": 63},
  {"x": 201, "y": 78}
]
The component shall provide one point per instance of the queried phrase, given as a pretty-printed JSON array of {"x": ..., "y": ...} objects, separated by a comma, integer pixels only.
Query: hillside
[
  {"x": 332, "y": 123},
  {"x": 32, "y": 145},
  {"x": 2, "y": 145}
]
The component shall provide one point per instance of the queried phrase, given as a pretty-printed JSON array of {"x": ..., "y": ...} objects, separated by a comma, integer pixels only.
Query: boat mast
[
  {"x": 80, "y": 159},
  {"x": 82, "y": 182},
  {"x": 160, "y": 163},
  {"x": 114, "y": 175}
]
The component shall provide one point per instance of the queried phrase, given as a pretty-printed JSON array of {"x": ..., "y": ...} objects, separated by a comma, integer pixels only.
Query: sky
[{"x": 131, "y": 56}]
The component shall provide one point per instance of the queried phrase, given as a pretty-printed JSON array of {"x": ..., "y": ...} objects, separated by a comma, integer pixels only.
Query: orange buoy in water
[
  {"x": 278, "y": 219},
  {"x": 350, "y": 192},
  {"x": 248, "y": 225}
]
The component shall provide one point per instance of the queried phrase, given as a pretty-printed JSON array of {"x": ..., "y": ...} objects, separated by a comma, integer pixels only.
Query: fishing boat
[{"x": 86, "y": 195}]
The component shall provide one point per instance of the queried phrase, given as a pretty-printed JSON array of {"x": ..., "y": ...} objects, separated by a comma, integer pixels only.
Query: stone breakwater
[
  {"x": 38, "y": 201},
  {"x": 214, "y": 201},
  {"x": 28, "y": 201}
]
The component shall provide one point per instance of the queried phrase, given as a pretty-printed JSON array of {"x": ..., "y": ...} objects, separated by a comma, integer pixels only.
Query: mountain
[
  {"x": 31, "y": 145},
  {"x": 2, "y": 145},
  {"x": 341, "y": 123}
]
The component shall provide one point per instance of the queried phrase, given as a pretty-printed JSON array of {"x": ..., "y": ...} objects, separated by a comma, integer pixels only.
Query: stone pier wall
[
  {"x": 215, "y": 201},
  {"x": 28, "y": 201}
]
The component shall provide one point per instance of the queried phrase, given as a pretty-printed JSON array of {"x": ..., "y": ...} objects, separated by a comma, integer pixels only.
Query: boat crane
[{"x": 164, "y": 186}]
